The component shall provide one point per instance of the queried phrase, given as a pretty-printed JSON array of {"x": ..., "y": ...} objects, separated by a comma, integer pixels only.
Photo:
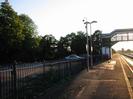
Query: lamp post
[
  {"x": 91, "y": 53},
  {"x": 91, "y": 49},
  {"x": 87, "y": 45}
]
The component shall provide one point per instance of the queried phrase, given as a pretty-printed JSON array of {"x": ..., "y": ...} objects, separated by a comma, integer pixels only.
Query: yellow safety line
[{"x": 127, "y": 81}]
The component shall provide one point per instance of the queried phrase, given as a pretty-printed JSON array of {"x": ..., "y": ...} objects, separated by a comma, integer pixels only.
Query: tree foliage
[
  {"x": 78, "y": 43},
  {"x": 29, "y": 27},
  {"x": 48, "y": 45},
  {"x": 18, "y": 36},
  {"x": 97, "y": 42},
  {"x": 31, "y": 42},
  {"x": 19, "y": 40},
  {"x": 62, "y": 47},
  {"x": 10, "y": 32}
]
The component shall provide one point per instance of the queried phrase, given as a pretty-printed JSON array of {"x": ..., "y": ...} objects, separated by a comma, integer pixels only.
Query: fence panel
[{"x": 27, "y": 81}]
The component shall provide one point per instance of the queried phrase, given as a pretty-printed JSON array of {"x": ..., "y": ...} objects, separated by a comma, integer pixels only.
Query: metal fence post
[
  {"x": 14, "y": 80},
  {"x": 44, "y": 67},
  {"x": 59, "y": 71},
  {"x": 70, "y": 65},
  {"x": 0, "y": 86}
]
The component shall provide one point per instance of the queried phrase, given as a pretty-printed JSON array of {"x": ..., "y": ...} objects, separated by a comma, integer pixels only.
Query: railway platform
[{"x": 109, "y": 80}]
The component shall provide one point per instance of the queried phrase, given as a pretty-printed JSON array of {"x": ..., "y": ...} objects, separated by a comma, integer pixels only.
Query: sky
[{"x": 61, "y": 17}]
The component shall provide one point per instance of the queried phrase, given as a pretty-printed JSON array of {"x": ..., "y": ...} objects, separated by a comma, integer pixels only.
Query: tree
[
  {"x": 48, "y": 45},
  {"x": 97, "y": 41},
  {"x": 62, "y": 47},
  {"x": 97, "y": 45},
  {"x": 29, "y": 27},
  {"x": 31, "y": 40},
  {"x": 72, "y": 44},
  {"x": 78, "y": 44},
  {"x": 10, "y": 33}
]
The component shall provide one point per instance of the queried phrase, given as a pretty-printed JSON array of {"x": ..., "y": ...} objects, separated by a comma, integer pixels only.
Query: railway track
[{"x": 127, "y": 63}]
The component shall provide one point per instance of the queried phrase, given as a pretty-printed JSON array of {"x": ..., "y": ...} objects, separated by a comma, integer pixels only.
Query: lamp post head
[
  {"x": 94, "y": 22},
  {"x": 86, "y": 22}
]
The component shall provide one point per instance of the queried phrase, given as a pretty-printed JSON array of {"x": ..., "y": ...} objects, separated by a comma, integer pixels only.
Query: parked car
[{"x": 73, "y": 57}]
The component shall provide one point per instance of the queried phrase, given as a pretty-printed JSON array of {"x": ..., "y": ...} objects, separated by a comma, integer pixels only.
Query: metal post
[
  {"x": 14, "y": 80},
  {"x": 59, "y": 71},
  {"x": 87, "y": 47},
  {"x": 101, "y": 49},
  {"x": 43, "y": 67},
  {"x": 91, "y": 52},
  {"x": 91, "y": 49},
  {"x": 87, "y": 42},
  {"x": 0, "y": 85}
]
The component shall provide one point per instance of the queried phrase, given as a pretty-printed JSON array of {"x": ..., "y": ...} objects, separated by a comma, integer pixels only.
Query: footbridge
[{"x": 118, "y": 35}]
